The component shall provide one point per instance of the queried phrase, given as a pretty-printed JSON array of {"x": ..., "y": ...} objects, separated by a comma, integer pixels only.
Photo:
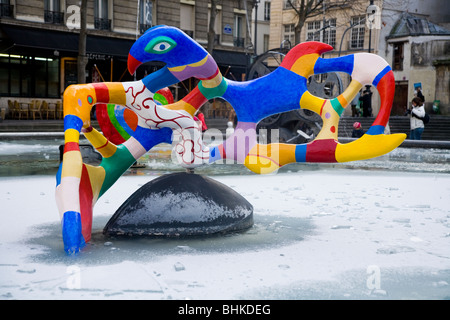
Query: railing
[
  {"x": 53, "y": 17},
  {"x": 239, "y": 42},
  {"x": 6, "y": 10},
  {"x": 102, "y": 24},
  {"x": 356, "y": 44},
  {"x": 144, "y": 27}
]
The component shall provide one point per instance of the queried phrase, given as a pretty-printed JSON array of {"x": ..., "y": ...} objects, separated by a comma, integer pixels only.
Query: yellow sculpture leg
[
  {"x": 267, "y": 158},
  {"x": 311, "y": 102},
  {"x": 350, "y": 92},
  {"x": 100, "y": 143},
  {"x": 368, "y": 146},
  {"x": 96, "y": 177}
]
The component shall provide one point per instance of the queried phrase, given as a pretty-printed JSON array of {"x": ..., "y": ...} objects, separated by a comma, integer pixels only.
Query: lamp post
[
  {"x": 370, "y": 29},
  {"x": 342, "y": 38},
  {"x": 255, "y": 4}
]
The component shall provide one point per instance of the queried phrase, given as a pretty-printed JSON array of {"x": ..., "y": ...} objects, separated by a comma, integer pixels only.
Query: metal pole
[
  {"x": 342, "y": 38},
  {"x": 256, "y": 26},
  {"x": 324, "y": 21},
  {"x": 137, "y": 19},
  {"x": 370, "y": 32}
]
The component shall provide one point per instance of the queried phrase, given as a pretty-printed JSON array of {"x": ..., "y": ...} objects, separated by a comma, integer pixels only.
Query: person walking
[
  {"x": 230, "y": 130},
  {"x": 417, "y": 126}
]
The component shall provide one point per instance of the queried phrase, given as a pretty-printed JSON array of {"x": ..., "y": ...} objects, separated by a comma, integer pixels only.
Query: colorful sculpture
[{"x": 80, "y": 185}]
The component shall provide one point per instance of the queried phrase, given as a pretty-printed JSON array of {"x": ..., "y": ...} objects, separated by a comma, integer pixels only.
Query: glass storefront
[{"x": 29, "y": 76}]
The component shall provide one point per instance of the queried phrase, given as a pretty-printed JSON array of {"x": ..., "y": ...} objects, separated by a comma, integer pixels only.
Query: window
[
  {"x": 289, "y": 33},
  {"x": 101, "y": 15},
  {"x": 287, "y": 4},
  {"x": 267, "y": 11},
  {"x": 266, "y": 43},
  {"x": 313, "y": 31},
  {"x": 239, "y": 31},
  {"x": 28, "y": 76},
  {"x": 329, "y": 34},
  {"x": 15, "y": 75},
  {"x": 6, "y": 9},
  {"x": 357, "y": 34},
  {"x": 187, "y": 18},
  {"x": 4, "y": 75},
  {"x": 52, "y": 12},
  {"x": 398, "y": 56},
  {"x": 146, "y": 16},
  {"x": 40, "y": 70}
]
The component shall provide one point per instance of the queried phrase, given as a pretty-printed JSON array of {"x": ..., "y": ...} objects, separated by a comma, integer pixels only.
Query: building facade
[
  {"x": 425, "y": 51},
  {"x": 261, "y": 26},
  {"x": 415, "y": 40},
  {"x": 339, "y": 23},
  {"x": 39, "y": 40}
]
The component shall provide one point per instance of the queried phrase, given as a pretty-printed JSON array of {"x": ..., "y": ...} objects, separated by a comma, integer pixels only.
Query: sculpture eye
[{"x": 160, "y": 45}]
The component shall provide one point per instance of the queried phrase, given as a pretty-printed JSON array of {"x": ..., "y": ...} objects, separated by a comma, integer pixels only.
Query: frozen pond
[
  {"x": 377, "y": 229},
  {"x": 37, "y": 156}
]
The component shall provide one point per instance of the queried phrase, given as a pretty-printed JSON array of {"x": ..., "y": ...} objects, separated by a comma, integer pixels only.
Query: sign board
[{"x": 227, "y": 29}]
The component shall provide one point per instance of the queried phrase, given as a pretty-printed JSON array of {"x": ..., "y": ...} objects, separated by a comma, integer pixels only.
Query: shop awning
[
  {"x": 230, "y": 58},
  {"x": 65, "y": 41}
]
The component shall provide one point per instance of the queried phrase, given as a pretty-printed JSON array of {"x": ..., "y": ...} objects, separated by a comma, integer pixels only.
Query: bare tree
[
  {"x": 81, "y": 62},
  {"x": 305, "y": 9},
  {"x": 212, "y": 23}
]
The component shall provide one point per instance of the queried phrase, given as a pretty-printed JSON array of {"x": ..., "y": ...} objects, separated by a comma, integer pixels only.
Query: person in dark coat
[{"x": 366, "y": 100}]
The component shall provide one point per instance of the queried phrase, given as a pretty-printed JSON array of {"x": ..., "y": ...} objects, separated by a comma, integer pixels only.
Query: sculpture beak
[{"x": 133, "y": 64}]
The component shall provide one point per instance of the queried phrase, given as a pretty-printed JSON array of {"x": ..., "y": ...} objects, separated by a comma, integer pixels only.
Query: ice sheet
[{"x": 330, "y": 233}]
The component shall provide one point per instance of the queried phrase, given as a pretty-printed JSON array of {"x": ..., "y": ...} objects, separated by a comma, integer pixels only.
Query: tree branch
[{"x": 305, "y": 9}]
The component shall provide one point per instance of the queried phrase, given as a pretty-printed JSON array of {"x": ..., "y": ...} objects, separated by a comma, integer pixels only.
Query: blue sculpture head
[{"x": 166, "y": 44}]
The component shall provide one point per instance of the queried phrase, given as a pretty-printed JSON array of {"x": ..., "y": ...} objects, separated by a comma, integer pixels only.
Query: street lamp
[{"x": 371, "y": 10}]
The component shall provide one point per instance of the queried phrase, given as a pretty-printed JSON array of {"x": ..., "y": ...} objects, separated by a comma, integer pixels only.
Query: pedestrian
[
  {"x": 230, "y": 130},
  {"x": 355, "y": 105},
  {"x": 358, "y": 131},
  {"x": 417, "y": 111},
  {"x": 232, "y": 117},
  {"x": 366, "y": 100}
]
